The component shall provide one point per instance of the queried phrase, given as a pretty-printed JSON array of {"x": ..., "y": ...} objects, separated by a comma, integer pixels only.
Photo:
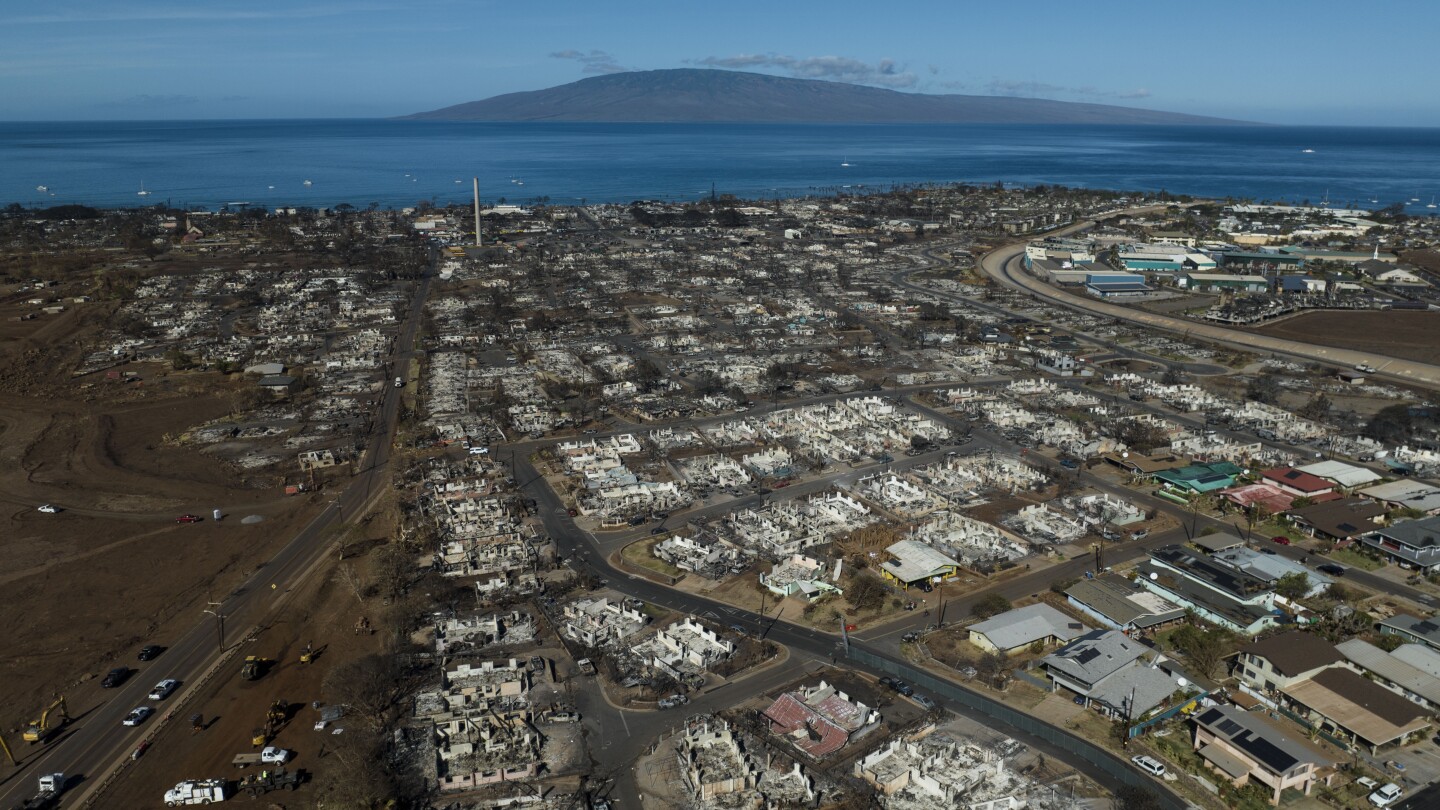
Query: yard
[
  {"x": 1355, "y": 559},
  {"x": 641, "y": 553}
]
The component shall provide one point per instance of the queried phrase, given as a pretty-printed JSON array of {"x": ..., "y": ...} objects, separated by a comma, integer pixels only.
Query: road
[{"x": 95, "y": 742}]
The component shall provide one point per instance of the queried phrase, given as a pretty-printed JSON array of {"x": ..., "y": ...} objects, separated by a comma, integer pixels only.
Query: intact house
[
  {"x": 915, "y": 563},
  {"x": 1120, "y": 604},
  {"x": 1298, "y": 483},
  {"x": 1276, "y": 662},
  {"x": 1015, "y": 630},
  {"x": 1404, "y": 494},
  {"x": 1341, "y": 520},
  {"x": 1116, "y": 675},
  {"x": 1216, "y": 591},
  {"x": 1412, "y": 629},
  {"x": 1392, "y": 672},
  {"x": 1250, "y": 748},
  {"x": 1346, "y": 705},
  {"x": 1410, "y": 543}
]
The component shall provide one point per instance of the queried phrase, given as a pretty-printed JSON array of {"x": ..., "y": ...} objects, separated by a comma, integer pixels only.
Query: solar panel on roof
[
  {"x": 1266, "y": 752},
  {"x": 1086, "y": 656},
  {"x": 1427, "y": 627},
  {"x": 1228, "y": 726},
  {"x": 1210, "y": 716}
]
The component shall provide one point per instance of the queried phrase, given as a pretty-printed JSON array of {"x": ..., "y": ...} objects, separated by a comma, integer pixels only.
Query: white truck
[
  {"x": 399, "y": 383},
  {"x": 196, "y": 791},
  {"x": 47, "y": 795},
  {"x": 269, "y": 755}
]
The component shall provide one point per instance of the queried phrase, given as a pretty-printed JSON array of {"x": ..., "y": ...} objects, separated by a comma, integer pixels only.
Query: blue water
[{"x": 398, "y": 163}]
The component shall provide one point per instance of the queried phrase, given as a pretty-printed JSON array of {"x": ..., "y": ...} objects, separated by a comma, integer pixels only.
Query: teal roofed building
[{"x": 1200, "y": 478}]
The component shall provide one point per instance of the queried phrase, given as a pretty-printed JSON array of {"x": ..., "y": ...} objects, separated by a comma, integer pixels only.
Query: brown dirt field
[
  {"x": 322, "y": 612},
  {"x": 1402, "y": 334}
]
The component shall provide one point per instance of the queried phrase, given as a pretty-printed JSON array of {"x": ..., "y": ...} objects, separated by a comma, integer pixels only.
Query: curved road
[
  {"x": 95, "y": 742},
  {"x": 1002, "y": 265}
]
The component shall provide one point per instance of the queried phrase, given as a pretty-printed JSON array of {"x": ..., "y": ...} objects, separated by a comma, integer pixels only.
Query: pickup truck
[{"x": 269, "y": 755}]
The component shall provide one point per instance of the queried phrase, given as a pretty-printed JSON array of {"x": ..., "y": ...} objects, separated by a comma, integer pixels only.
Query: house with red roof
[
  {"x": 819, "y": 720},
  {"x": 1300, "y": 484}
]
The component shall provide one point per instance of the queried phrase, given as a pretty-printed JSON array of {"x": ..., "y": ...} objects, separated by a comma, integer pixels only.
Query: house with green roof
[{"x": 1200, "y": 478}]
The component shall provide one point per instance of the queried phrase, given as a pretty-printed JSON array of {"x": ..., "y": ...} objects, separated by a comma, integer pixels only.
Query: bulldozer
[
  {"x": 253, "y": 667},
  {"x": 39, "y": 730}
]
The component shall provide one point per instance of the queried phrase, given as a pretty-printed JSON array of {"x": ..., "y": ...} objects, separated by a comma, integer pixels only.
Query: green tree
[
  {"x": 1293, "y": 586},
  {"x": 992, "y": 605},
  {"x": 1203, "y": 648},
  {"x": 866, "y": 592},
  {"x": 1389, "y": 642}
]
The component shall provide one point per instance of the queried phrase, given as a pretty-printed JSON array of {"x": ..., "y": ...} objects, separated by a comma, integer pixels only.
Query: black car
[
  {"x": 887, "y": 682},
  {"x": 115, "y": 677},
  {"x": 1332, "y": 569},
  {"x": 903, "y": 688},
  {"x": 150, "y": 651}
]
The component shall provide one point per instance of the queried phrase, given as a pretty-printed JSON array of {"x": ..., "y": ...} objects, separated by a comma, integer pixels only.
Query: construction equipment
[
  {"x": 258, "y": 784},
  {"x": 39, "y": 730},
  {"x": 308, "y": 654},
  {"x": 253, "y": 667},
  {"x": 260, "y": 737}
]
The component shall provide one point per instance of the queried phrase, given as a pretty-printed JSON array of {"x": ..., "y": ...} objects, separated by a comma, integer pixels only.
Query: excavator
[
  {"x": 275, "y": 719},
  {"x": 39, "y": 730}
]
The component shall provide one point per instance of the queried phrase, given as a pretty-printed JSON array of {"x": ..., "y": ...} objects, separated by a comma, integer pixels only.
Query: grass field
[{"x": 1355, "y": 559}]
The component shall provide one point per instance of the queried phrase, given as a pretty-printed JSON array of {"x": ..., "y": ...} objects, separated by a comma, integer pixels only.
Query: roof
[
  {"x": 1123, "y": 602},
  {"x": 1268, "y": 745},
  {"x": 1346, "y": 517},
  {"x": 1269, "y": 496},
  {"x": 1201, "y": 477},
  {"x": 1147, "y": 464},
  {"x": 1412, "y": 679},
  {"x": 1346, "y": 475},
  {"x": 915, "y": 561},
  {"x": 276, "y": 380},
  {"x": 1094, "y": 655},
  {"x": 1021, "y": 626},
  {"x": 1189, "y": 593},
  {"x": 1359, "y": 705},
  {"x": 810, "y": 732},
  {"x": 1118, "y": 286},
  {"x": 1148, "y": 686},
  {"x": 1233, "y": 766},
  {"x": 1414, "y": 494},
  {"x": 1211, "y": 572},
  {"x": 1218, "y": 541},
  {"x": 1417, "y": 533},
  {"x": 1426, "y": 629},
  {"x": 1294, "y": 653},
  {"x": 1420, "y": 656},
  {"x": 1271, "y": 567},
  {"x": 1295, "y": 479}
]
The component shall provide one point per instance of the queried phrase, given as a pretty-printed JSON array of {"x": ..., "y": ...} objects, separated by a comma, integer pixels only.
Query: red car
[
  {"x": 189, "y": 519},
  {"x": 1280, "y": 539}
]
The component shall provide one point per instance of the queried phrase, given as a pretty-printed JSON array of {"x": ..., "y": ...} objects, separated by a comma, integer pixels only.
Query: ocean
[{"x": 207, "y": 164}]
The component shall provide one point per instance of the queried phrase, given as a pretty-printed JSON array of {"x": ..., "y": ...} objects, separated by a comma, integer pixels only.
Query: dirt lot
[{"x": 1407, "y": 335}]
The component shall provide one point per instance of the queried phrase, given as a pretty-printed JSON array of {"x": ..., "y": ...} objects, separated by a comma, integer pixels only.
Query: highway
[
  {"x": 1003, "y": 266},
  {"x": 95, "y": 742}
]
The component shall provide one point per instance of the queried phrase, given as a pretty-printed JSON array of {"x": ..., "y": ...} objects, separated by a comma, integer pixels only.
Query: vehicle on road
[
  {"x": 1332, "y": 569},
  {"x": 925, "y": 701},
  {"x": 47, "y": 793},
  {"x": 658, "y": 530},
  {"x": 1385, "y": 795},
  {"x": 911, "y": 636},
  {"x": 1280, "y": 539},
  {"x": 149, "y": 652},
  {"x": 587, "y": 667},
  {"x": 163, "y": 689},
  {"x": 189, "y": 519},
  {"x": 253, "y": 667},
  {"x": 115, "y": 677},
  {"x": 1149, "y": 765},
  {"x": 399, "y": 383},
  {"x": 1069, "y": 464},
  {"x": 137, "y": 716},
  {"x": 196, "y": 791},
  {"x": 887, "y": 682},
  {"x": 479, "y": 451},
  {"x": 49, "y": 510}
]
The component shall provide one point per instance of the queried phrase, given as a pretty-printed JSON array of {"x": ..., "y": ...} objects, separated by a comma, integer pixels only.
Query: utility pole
[
  {"x": 1098, "y": 567},
  {"x": 219, "y": 623}
]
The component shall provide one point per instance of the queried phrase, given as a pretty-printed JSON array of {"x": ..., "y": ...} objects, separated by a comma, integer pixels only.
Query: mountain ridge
[{"x": 694, "y": 95}]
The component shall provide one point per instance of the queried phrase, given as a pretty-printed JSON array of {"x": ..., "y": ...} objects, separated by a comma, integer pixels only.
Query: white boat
[
  {"x": 845, "y": 163},
  {"x": 1307, "y": 151},
  {"x": 142, "y": 192},
  {"x": 1431, "y": 203},
  {"x": 308, "y": 183},
  {"x": 270, "y": 187},
  {"x": 42, "y": 188}
]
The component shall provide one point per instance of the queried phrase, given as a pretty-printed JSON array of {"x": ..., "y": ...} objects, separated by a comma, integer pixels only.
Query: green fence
[{"x": 1103, "y": 766}]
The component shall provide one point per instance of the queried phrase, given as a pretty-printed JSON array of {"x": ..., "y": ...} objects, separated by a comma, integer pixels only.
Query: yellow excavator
[
  {"x": 39, "y": 730},
  {"x": 275, "y": 718}
]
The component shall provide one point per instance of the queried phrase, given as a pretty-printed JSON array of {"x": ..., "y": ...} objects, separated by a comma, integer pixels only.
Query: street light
[{"x": 219, "y": 623}]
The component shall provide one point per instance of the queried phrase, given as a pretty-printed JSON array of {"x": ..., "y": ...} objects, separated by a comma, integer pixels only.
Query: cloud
[
  {"x": 884, "y": 73},
  {"x": 1028, "y": 89},
  {"x": 594, "y": 61}
]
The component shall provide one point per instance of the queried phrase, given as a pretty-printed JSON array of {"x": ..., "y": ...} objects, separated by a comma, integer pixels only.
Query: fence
[{"x": 1106, "y": 767}]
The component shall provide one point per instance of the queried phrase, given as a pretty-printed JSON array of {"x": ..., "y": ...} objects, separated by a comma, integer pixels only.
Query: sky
[{"x": 1313, "y": 63}]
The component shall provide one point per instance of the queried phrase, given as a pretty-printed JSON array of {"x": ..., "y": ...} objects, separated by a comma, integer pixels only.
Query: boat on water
[
  {"x": 42, "y": 189},
  {"x": 142, "y": 192},
  {"x": 1431, "y": 204},
  {"x": 1307, "y": 151},
  {"x": 308, "y": 183}
]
